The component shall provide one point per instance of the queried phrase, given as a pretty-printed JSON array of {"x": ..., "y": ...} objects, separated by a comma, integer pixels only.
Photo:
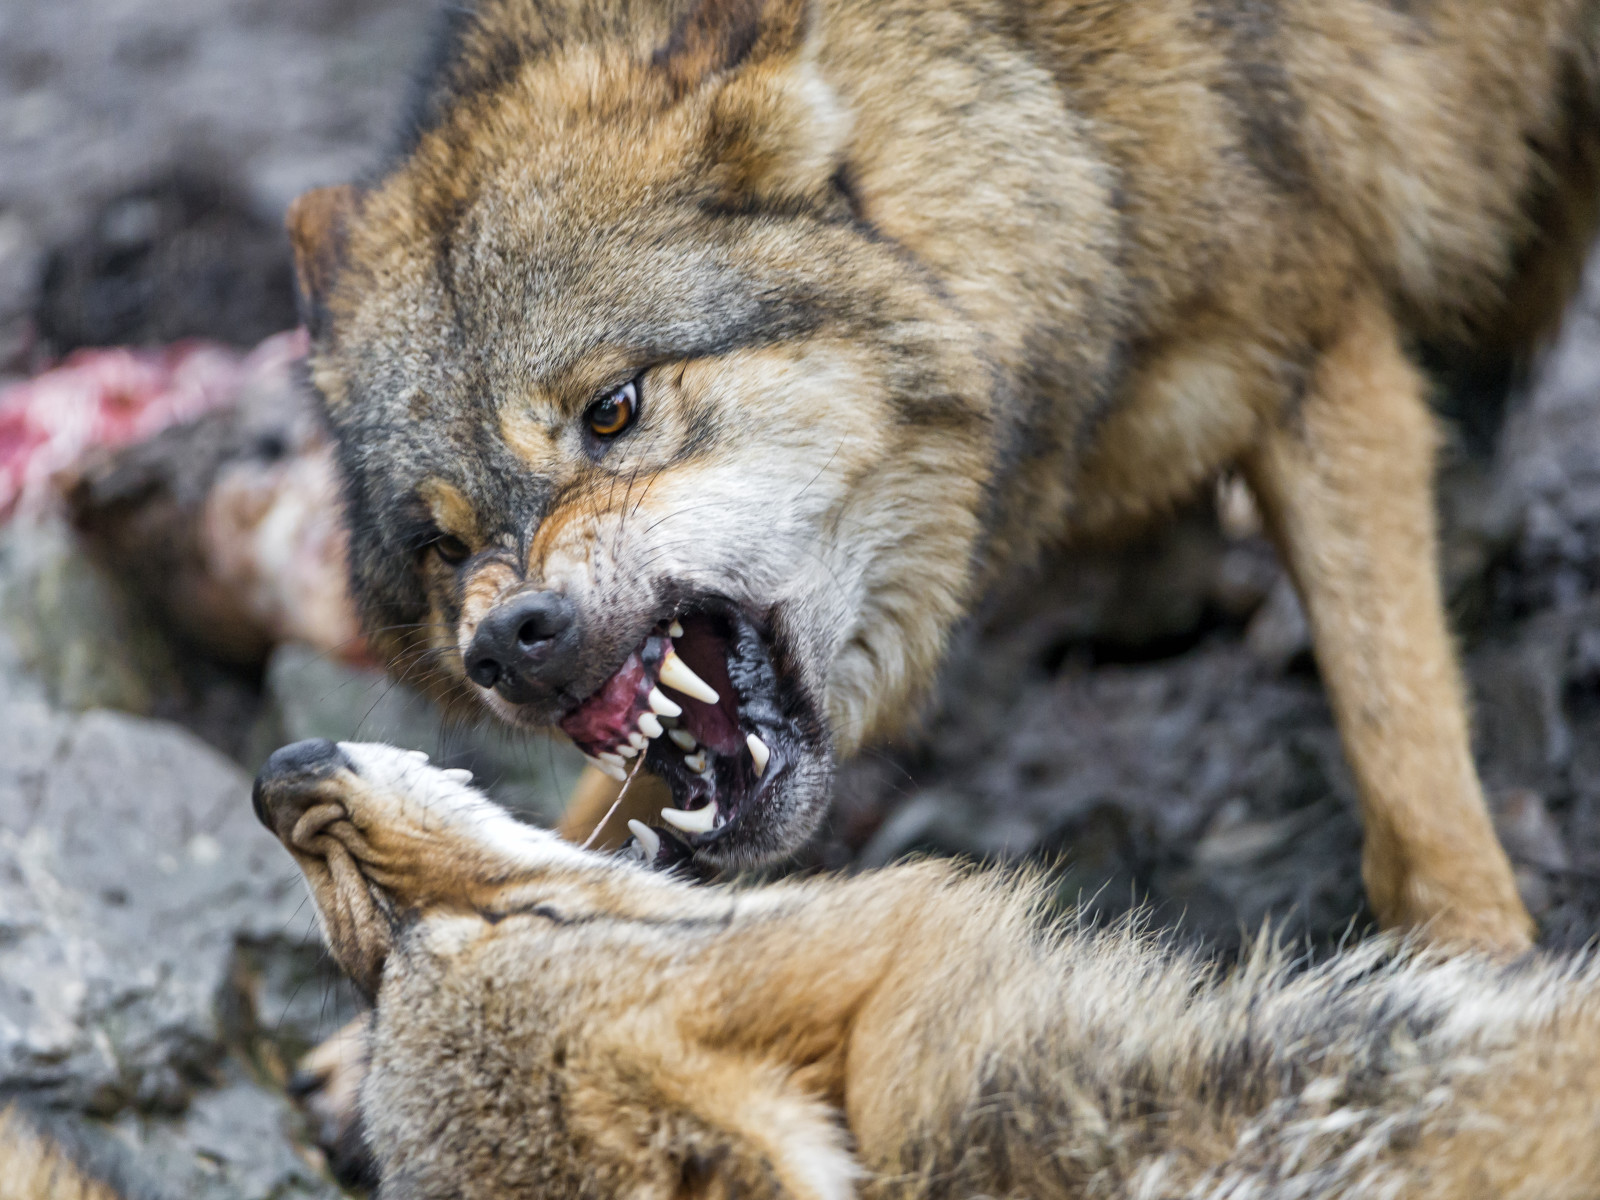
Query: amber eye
[
  {"x": 613, "y": 413},
  {"x": 451, "y": 549}
]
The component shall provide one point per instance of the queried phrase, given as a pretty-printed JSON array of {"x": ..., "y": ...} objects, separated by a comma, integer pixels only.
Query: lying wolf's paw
[{"x": 327, "y": 1084}]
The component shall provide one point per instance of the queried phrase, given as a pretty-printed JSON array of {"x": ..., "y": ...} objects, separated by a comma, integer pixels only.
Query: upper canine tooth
[
  {"x": 459, "y": 775},
  {"x": 683, "y": 739},
  {"x": 701, "y": 820},
  {"x": 649, "y": 840},
  {"x": 675, "y": 629},
  {"x": 759, "y": 754},
  {"x": 675, "y": 673},
  {"x": 650, "y": 725},
  {"x": 695, "y": 762},
  {"x": 660, "y": 704}
]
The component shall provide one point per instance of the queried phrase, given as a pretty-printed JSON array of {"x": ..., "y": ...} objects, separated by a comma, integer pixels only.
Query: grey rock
[
  {"x": 144, "y": 915},
  {"x": 73, "y": 628}
]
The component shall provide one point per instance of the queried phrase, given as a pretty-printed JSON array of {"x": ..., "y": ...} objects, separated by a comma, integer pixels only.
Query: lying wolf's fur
[
  {"x": 35, "y": 1165},
  {"x": 552, "y": 1022},
  {"x": 893, "y": 293}
]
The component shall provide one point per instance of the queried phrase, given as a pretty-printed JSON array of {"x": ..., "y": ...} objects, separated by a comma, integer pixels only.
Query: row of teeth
[{"x": 678, "y": 676}]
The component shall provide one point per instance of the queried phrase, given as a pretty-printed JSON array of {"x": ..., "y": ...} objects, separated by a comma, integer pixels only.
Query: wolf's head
[{"x": 646, "y": 431}]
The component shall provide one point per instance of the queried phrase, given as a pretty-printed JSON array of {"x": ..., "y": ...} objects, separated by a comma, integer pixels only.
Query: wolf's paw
[{"x": 327, "y": 1086}]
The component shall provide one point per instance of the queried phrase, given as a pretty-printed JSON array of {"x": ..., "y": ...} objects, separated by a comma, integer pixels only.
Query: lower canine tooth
[
  {"x": 675, "y": 673},
  {"x": 649, "y": 725},
  {"x": 660, "y": 704},
  {"x": 695, "y": 762},
  {"x": 638, "y": 740},
  {"x": 649, "y": 841},
  {"x": 759, "y": 754},
  {"x": 701, "y": 820},
  {"x": 675, "y": 630},
  {"x": 607, "y": 756},
  {"x": 628, "y": 751},
  {"x": 614, "y": 770},
  {"x": 683, "y": 740}
]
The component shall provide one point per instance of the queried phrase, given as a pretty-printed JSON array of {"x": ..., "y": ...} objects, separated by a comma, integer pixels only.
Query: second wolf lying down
[{"x": 557, "y": 1023}]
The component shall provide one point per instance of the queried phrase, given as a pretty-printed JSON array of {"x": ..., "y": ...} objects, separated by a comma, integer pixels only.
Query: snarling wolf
[
  {"x": 556, "y": 1022},
  {"x": 697, "y": 364}
]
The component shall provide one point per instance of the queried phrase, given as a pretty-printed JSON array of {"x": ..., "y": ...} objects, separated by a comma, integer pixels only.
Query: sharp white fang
[
  {"x": 759, "y": 754},
  {"x": 649, "y": 841},
  {"x": 628, "y": 751},
  {"x": 638, "y": 740},
  {"x": 615, "y": 771},
  {"x": 675, "y": 629},
  {"x": 660, "y": 704},
  {"x": 649, "y": 725},
  {"x": 683, "y": 740},
  {"x": 701, "y": 820},
  {"x": 695, "y": 763},
  {"x": 459, "y": 775},
  {"x": 675, "y": 673}
]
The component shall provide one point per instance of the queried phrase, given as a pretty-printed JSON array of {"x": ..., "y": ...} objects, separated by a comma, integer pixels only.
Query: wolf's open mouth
[{"x": 699, "y": 700}]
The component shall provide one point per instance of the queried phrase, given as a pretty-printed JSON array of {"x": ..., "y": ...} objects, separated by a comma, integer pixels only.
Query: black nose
[
  {"x": 523, "y": 648},
  {"x": 287, "y": 771}
]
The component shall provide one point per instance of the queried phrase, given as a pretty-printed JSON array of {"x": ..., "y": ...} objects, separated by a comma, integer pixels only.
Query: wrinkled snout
[
  {"x": 526, "y": 648},
  {"x": 297, "y": 799}
]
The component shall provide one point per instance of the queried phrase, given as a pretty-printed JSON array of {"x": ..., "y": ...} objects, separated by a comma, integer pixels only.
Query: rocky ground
[{"x": 1147, "y": 721}]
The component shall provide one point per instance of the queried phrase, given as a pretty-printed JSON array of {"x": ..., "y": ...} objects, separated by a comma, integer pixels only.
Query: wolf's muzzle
[
  {"x": 526, "y": 648},
  {"x": 286, "y": 774}
]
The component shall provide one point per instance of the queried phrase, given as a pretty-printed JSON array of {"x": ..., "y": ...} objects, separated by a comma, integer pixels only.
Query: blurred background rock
[{"x": 1146, "y": 720}]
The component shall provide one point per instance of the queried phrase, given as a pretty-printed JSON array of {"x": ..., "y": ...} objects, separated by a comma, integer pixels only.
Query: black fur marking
[
  {"x": 1257, "y": 89},
  {"x": 722, "y": 33}
]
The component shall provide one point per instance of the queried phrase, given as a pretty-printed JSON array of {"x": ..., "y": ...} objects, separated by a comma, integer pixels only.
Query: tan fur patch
[
  {"x": 482, "y": 590},
  {"x": 452, "y": 512}
]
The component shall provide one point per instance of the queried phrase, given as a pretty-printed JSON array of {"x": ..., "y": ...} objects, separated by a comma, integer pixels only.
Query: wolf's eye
[
  {"x": 451, "y": 549},
  {"x": 611, "y": 414}
]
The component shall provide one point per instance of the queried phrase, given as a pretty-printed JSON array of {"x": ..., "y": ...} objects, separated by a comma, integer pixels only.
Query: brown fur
[
  {"x": 915, "y": 289},
  {"x": 557, "y": 1023}
]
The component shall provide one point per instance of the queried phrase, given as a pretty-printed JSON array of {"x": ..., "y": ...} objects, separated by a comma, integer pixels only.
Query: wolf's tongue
[{"x": 612, "y": 713}]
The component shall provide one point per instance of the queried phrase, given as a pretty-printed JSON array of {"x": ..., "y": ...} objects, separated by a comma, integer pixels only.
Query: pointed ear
[
  {"x": 718, "y": 35},
  {"x": 318, "y": 223}
]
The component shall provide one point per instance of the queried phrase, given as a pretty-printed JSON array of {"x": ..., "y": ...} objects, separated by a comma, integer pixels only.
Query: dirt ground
[{"x": 1145, "y": 720}]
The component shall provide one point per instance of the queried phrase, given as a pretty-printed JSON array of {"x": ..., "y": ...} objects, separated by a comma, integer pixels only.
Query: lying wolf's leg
[
  {"x": 327, "y": 1083},
  {"x": 1346, "y": 483},
  {"x": 592, "y": 798},
  {"x": 672, "y": 1119}
]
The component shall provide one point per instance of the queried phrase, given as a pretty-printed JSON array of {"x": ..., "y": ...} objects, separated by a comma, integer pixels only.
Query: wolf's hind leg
[{"x": 1347, "y": 485}]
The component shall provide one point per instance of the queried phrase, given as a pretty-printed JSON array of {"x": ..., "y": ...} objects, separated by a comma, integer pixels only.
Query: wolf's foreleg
[{"x": 1346, "y": 482}]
